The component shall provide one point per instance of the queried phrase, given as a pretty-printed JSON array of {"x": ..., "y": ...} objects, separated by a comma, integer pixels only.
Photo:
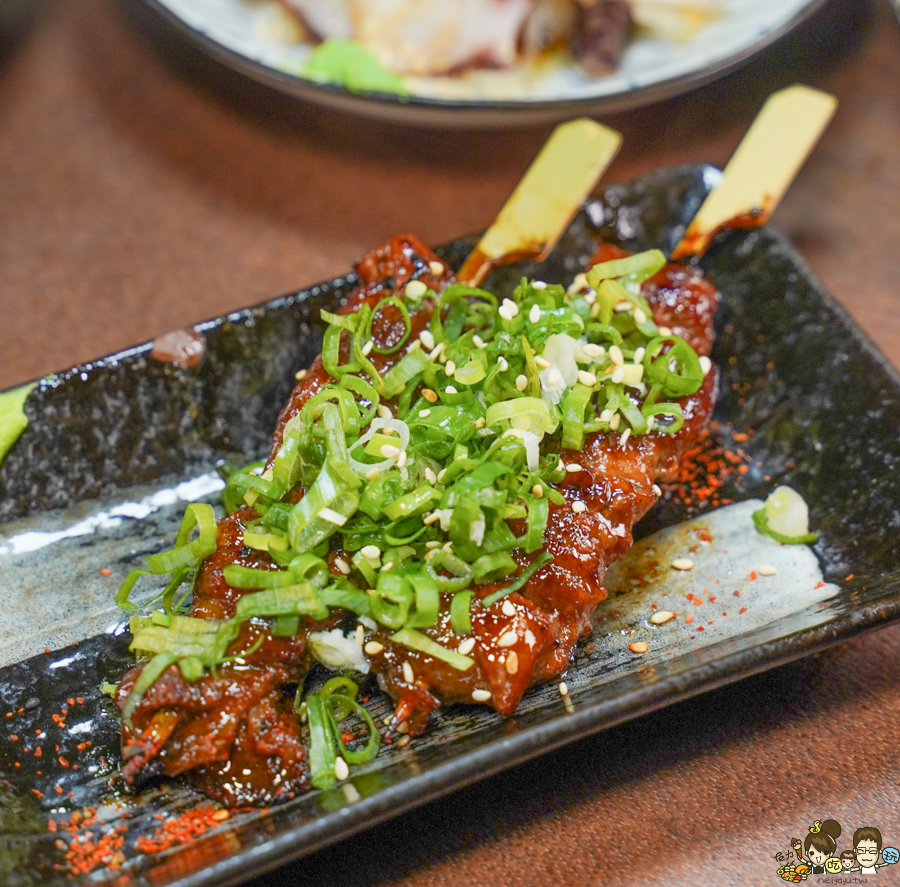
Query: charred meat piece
[
  {"x": 600, "y": 36},
  {"x": 234, "y": 731}
]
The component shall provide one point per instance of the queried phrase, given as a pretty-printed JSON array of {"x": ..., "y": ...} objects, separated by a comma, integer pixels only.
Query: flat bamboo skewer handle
[
  {"x": 546, "y": 199},
  {"x": 764, "y": 164}
]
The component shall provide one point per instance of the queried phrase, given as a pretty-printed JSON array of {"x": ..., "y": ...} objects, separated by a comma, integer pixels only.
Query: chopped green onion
[
  {"x": 460, "y": 616},
  {"x": 415, "y": 640},
  {"x": 540, "y": 561}
]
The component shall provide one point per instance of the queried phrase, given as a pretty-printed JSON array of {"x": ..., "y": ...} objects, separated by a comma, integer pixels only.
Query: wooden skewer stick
[
  {"x": 557, "y": 183},
  {"x": 764, "y": 165}
]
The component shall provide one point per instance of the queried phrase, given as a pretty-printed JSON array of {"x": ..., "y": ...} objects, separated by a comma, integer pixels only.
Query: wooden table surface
[{"x": 141, "y": 190}]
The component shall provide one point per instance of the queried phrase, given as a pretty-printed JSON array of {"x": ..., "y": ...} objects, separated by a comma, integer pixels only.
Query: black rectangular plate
[{"x": 825, "y": 406}]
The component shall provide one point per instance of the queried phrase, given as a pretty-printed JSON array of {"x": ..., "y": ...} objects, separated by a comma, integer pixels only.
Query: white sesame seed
[
  {"x": 543, "y": 363},
  {"x": 387, "y": 431},
  {"x": 705, "y": 364},
  {"x": 372, "y": 473},
  {"x": 384, "y": 412},
  {"x": 537, "y": 490},
  {"x": 660, "y": 617},
  {"x": 554, "y": 377},
  {"x": 625, "y": 435},
  {"x": 651, "y": 421},
  {"x": 448, "y": 547},
  {"x": 432, "y": 518},
  {"x": 508, "y": 608},
  {"x": 450, "y": 368},
  {"x": 342, "y": 566},
  {"x": 579, "y": 507},
  {"x": 300, "y": 375},
  {"x": 512, "y": 662},
  {"x": 481, "y": 695},
  {"x": 507, "y": 639},
  {"x": 657, "y": 490},
  {"x": 436, "y": 268},
  {"x": 332, "y": 516},
  {"x": 437, "y": 351},
  {"x": 572, "y": 467},
  {"x": 504, "y": 365},
  {"x": 665, "y": 331},
  {"x": 511, "y": 306},
  {"x": 386, "y": 567},
  {"x": 401, "y": 461},
  {"x": 408, "y": 675},
  {"x": 539, "y": 284},
  {"x": 443, "y": 355},
  {"x": 615, "y": 355},
  {"x": 479, "y": 422},
  {"x": 441, "y": 475},
  {"x": 389, "y": 451},
  {"x": 593, "y": 351},
  {"x": 618, "y": 375},
  {"x": 415, "y": 289},
  {"x": 341, "y": 770},
  {"x": 639, "y": 354},
  {"x": 479, "y": 342},
  {"x": 595, "y": 310},
  {"x": 614, "y": 422},
  {"x": 429, "y": 395},
  {"x": 682, "y": 563},
  {"x": 639, "y": 316},
  {"x": 503, "y": 311},
  {"x": 433, "y": 544},
  {"x": 367, "y": 348},
  {"x": 370, "y": 551},
  {"x": 606, "y": 415},
  {"x": 587, "y": 378},
  {"x": 360, "y": 634},
  {"x": 638, "y": 647},
  {"x": 535, "y": 314},
  {"x": 451, "y": 389},
  {"x": 521, "y": 382},
  {"x": 466, "y": 647},
  {"x": 563, "y": 689},
  {"x": 387, "y": 720},
  {"x": 427, "y": 339},
  {"x": 767, "y": 570},
  {"x": 403, "y": 727},
  {"x": 424, "y": 414},
  {"x": 403, "y": 741}
]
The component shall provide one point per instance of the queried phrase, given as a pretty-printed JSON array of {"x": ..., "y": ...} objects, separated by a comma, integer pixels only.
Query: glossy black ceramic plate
[{"x": 113, "y": 448}]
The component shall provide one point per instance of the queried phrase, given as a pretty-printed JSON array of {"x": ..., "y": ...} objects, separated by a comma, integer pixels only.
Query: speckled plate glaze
[
  {"x": 241, "y": 35},
  {"x": 115, "y": 447}
]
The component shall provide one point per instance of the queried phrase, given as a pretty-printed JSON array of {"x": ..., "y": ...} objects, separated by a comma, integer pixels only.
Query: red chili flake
[
  {"x": 690, "y": 596},
  {"x": 38, "y": 752},
  {"x": 70, "y": 700},
  {"x": 742, "y": 610},
  {"x": 62, "y": 761},
  {"x": 712, "y": 598},
  {"x": 13, "y": 737},
  {"x": 724, "y": 613},
  {"x": 51, "y": 825},
  {"x": 737, "y": 594},
  {"x": 697, "y": 602},
  {"x": 79, "y": 700},
  {"x": 819, "y": 585},
  {"x": 688, "y": 620},
  {"x": 106, "y": 572},
  {"x": 9, "y": 714},
  {"x": 21, "y": 711},
  {"x": 36, "y": 793},
  {"x": 700, "y": 628},
  {"x": 47, "y": 650},
  {"x": 752, "y": 574},
  {"x": 58, "y": 790},
  {"x": 849, "y": 577}
]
